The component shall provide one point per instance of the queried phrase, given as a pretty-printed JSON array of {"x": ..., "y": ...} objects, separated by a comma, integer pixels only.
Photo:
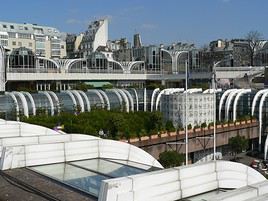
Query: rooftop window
[
  {"x": 86, "y": 175},
  {"x": 4, "y": 26}
]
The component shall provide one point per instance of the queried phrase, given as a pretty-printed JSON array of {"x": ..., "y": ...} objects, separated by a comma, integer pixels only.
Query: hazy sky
[{"x": 158, "y": 21}]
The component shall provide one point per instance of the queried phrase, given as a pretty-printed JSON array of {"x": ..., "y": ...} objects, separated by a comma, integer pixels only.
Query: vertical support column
[
  {"x": 145, "y": 100},
  {"x": 163, "y": 82},
  {"x": 2, "y": 70}
]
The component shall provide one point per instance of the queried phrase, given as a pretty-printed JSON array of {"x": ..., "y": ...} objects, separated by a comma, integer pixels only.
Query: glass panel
[
  {"x": 108, "y": 167},
  {"x": 134, "y": 164},
  {"x": 73, "y": 176}
]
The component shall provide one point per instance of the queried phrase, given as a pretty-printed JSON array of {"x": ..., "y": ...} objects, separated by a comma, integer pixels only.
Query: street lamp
[
  {"x": 214, "y": 103},
  {"x": 186, "y": 109}
]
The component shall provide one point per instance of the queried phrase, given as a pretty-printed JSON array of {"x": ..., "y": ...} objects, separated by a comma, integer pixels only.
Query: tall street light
[
  {"x": 214, "y": 101},
  {"x": 186, "y": 108}
]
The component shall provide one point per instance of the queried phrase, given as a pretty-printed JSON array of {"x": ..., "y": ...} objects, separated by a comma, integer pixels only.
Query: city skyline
[{"x": 157, "y": 21}]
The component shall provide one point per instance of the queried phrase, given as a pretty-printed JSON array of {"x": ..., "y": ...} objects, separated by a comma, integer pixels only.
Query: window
[
  {"x": 38, "y": 30},
  {"x": 53, "y": 41},
  {"x": 40, "y": 45},
  {"x": 55, "y": 53},
  {"x": 24, "y": 36},
  {"x": 40, "y": 52},
  {"x": 40, "y": 39},
  {"x": 12, "y": 35},
  {"x": 4, "y": 36},
  {"x": 4, "y": 42},
  {"x": 11, "y": 26},
  {"x": 19, "y": 44},
  {"x": 26, "y": 28},
  {"x": 14, "y": 43},
  {"x": 55, "y": 46},
  {"x": 30, "y": 44},
  {"x": 4, "y": 26},
  {"x": 21, "y": 27}
]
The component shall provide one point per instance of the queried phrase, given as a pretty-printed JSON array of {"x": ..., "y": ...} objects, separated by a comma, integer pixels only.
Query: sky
[{"x": 158, "y": 21}]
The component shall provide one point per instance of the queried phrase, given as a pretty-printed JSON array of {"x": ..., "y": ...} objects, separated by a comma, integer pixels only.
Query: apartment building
[{"x": 44, "y": 41}]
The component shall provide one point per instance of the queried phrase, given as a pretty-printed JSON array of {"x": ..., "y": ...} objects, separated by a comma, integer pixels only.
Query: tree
[
  {"x": 171, "y": 159},
  {"x": 169, "y": 126},
  {"x": 107, "y": 86},
  {"x": 238, "y": 144},
  {"x": 254, "y": 39},
  {"x": 83, "y": 86},
  {"x": 189, "y": 126},
  {"x": 204, "y": 125}
]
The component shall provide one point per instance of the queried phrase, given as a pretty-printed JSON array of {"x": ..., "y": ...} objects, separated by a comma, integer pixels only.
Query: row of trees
[{"x": 115, "y": 124}]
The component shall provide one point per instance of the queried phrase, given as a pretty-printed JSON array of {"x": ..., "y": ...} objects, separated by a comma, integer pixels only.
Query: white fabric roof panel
[
  {"x": 23, "y": 144},
  {"x": 189, "y": 181},
  {"x": 16, "y": 129},
  {"x": 254, "y": 192},
  {"x": 41, "y": 154}
]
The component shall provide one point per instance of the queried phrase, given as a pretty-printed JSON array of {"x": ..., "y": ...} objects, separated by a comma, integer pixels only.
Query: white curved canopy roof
[
  {"x": 180, "y": 182},
  {"x": 17, "y": 129},
  {"x": 23, "y": 145}
]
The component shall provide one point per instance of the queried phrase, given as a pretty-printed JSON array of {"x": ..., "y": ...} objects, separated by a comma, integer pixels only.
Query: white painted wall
[{"x": 101, "y": 36}]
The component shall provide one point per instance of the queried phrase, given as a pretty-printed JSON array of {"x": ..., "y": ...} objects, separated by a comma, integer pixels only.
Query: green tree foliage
[
  {"x": 189, "y": 126},
  {"x": 154, "y": 85},
  {"x": 107, "y": 86},
  {"x": 204, "y": 125},
  {"x": 171, "y": 159},
  {"x": 169, "y": 126},
  {"x": 115, "y": 124},
  {"x": 238, "y": 144},
  {"x": 84, "y": 87}
]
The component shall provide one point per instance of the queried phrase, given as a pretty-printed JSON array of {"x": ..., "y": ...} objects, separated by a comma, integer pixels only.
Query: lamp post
[
  {"x": 214, "y": 106},
  {"x": 186, "y": 108},
  {"x": 186, "y": 113},
  {"x": 214, "y": 103}
]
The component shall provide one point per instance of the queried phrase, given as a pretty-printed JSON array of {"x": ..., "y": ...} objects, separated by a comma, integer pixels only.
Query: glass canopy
[{"x": 87, "y": 175}]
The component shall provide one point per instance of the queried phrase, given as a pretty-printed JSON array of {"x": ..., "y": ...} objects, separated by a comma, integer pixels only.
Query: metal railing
[
  {"x": 246, "y": 68},
  {"x": 33, "y": 70}
]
